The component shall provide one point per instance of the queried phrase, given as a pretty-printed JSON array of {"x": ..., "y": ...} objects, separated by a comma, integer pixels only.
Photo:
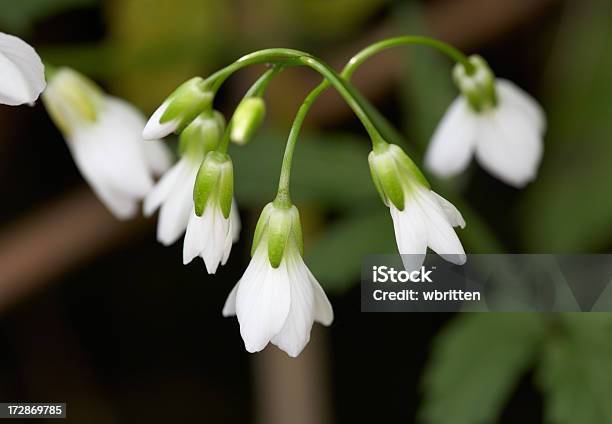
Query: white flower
[
  {"x": 22, "y": 74},
  {"x": 211, "y": 236},
  {"x": 421, "y": 218},
  {"x": 179, "y": 109},
  {"x": 173, "y": 195},
  {"x": 427, "y": 221},
  {"x": 214, "y": 224},
  {"x": 278, "y": 299},
  {"x": 505, "y": 134},
  {"x": 103, "y": 134}
]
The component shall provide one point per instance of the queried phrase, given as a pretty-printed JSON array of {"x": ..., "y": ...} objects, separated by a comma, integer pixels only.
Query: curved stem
[
  {"x": 382, "y": 125},
  {"x": 376, "y": 48}
]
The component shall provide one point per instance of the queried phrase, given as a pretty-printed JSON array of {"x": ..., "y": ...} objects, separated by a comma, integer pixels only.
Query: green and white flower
[
  {"x": 180, "y": 108},
  {"x": 278, "y": 299},
  {"x": 421, "y": 217},
  {"x": 248, "y": 117},
  {"x": 103, "y": 134},
  {"x": 494, "y": 120},
  {"x": 22, "y": 74},
  {"x": 214, "y": 224},
  {"x": 173, "y": 194}
]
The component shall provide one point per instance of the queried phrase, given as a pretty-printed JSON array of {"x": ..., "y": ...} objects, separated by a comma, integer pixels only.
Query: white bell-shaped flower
[
  {"x": 104, "y": 135},
  {"x": 278, "y": 299},
  {"x": 214, "y": 224},
  {"x": 22, "y": 74},
  {"x": 421, "y": 218},
  {"x": 173, "y": 194},
  {"x": 494, "y": 120}
]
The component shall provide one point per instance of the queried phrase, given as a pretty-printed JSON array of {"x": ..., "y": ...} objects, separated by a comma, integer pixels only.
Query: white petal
[
  {"x": 22, "y": 74},
  {"x": 229, "y": 309},
  {"x": 452, "y": 213},
  {"x": 214, "y": 247},
  {"x": 194, "y": 240},
  {"x": 154, "y": 130},
  {"x": 409, "y": 229},
  {"x": 441, "y": 236},
  {"x": 295, "y": 333},
  {"x": 508, "y": 146},
  {"x": 507, "y": 91},
  {"x": 452, "y": 144},
  {"x": 168, "y": 182},
  {"x": 158, "y": 156},
  {"x": 323, "y": 312},
  {"x": 91, "y": 164},
  {"x": 262, "y": 300},
  {"x": 176, "y": 210}
]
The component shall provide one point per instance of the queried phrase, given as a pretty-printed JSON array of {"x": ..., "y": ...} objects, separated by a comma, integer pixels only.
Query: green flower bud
[
  {"x": 214, "y": 183},
  {"x": 281, "y": 227},
  {"x": 394, "y": 174},
  {"x": 180, "y": 108},
  {"x": 477, "y": 87},
  {"x": 248, "y": 117},
  {"x": 72, "y": 99},
  {"x": 202, "y": 135}
]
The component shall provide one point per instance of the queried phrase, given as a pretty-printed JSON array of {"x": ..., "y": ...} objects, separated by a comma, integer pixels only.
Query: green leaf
[
  {"x": 329, "y": 169},
  {"x": 336, "y": 257},
  {"x": 475, "y": 364},
  {"x": 568, "y": 208},
  {"x": 576, "y": 369}
]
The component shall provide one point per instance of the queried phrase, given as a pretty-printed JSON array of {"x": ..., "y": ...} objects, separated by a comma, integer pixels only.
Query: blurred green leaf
[
  {"x": 18, "y": 16},
  {"x": 568, "y": 208},
  {"x": 336, "y": 257},
  {"x": 575, "y": 373},
  {"x": 476, "y": 363},
  {"x": 328, "y": 169}
]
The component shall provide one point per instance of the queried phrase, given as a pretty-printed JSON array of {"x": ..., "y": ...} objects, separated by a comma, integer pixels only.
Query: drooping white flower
[
  {"x": 278, "y": 299},
  {"x": 22, "y": 74},
  {"x": 103, "y": 134},
  {"x": 180, "y": 108},
  {"x": 173, "y": 194},
  {"x": 421, "y": 218},
  {"x": 214, "y": 223},
  {"x": 494, "y": 120}
]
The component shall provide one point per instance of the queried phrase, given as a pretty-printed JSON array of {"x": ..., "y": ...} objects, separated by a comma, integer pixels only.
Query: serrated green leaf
[
  {"x": 575, "y": 371},
  {"x": 475, "y": 365}
]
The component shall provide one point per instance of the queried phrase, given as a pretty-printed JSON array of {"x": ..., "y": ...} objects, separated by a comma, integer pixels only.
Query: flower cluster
[{"x": 278, "y": 299}]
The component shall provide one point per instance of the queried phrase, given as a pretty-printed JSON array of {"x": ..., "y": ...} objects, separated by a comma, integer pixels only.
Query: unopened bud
[{"x": 248, "y": 117}]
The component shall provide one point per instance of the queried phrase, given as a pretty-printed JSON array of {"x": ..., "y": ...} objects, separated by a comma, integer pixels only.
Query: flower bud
[
  {"x": 72, "y": 99},
  {"x": 202, "y": 135},
  {"x": 394, "y": 174},
  {"x": 248, "y": 117},
  {"x": 478, "y": 87},
  {"x": 214, "y": 183},
  {"x": 179, "y": 109},
  {"x": 280, "y": 226}
]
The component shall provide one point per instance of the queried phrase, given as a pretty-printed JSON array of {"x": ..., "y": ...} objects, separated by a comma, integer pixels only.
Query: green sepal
[
  {"x": 383, "y": 165},
  {"x": 279, "y": 231},
  {"x": 478, "y": 87},
  {"x": 187, "y": 102},
  {"x": 202, "y": 135},
  {"x": 375, "y": 178},
  {"x": 404, "y": 161},
  {"x": 211, "y": 181},
  {"x": 247, "y": 119},
  {"x": 261, "y": 227},
  {"x": 226, "y": 188},
  {"x": 296, "y": 227}
]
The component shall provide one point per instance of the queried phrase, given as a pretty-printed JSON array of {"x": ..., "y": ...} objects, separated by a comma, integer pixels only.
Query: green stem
[
  {"x": 376, "y": 48},
  {"x": 388, "y": 132}
]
